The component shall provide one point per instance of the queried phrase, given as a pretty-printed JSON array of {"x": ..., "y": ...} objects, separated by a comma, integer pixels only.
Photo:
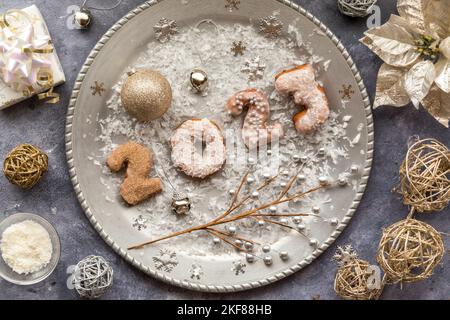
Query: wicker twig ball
[
  {"x": 425, "y": 176},
  {"x": 352, "y": 278},
  {"x": 93, "y": 276},
  {"x": 356, "y": 8},
  {"x": 25, "y": 165},
  {"x": 409, "y": 251},
  {"x": 351, "y": 281}
]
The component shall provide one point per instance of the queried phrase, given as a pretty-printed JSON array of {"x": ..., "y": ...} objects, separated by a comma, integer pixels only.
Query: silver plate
[{"x": 107, "y": 62}]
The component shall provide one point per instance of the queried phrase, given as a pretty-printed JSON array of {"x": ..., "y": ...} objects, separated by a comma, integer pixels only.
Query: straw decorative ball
[
  {"x": 425, "y": 176},
  {"x": 25, "y": 165},
  {"x": 356, "y": 8},
  {"x": 409, "y": 251},
  {"x": 351, "y": 281}
]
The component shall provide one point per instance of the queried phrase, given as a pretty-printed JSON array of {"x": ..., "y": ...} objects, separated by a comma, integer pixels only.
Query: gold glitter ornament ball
[{"x": 146, "y": 95}]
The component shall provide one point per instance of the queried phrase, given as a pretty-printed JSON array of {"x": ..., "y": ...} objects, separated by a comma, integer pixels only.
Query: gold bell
[{"x": 83, "y": 18}]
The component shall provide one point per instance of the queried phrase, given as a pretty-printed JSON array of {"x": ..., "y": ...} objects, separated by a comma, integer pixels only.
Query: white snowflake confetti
[
  {"x": 255, "y": 69},
  {"x": 167, "y": 260},
  {"x": 140, "y": 223},
  {"x": 238, "y": 48},
  {"x": 271, "y": 27},
  {"x": 344, "y": 254},
  {"x": 165, "y": 29},
  {"x": 196, "y": 272},
  {"x": 238, "y": 267}
]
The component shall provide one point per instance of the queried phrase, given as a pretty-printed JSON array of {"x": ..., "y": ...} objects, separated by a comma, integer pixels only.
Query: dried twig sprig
[
  {"x": 425, "y": 176},
  {"x": 236, "y": 203}
]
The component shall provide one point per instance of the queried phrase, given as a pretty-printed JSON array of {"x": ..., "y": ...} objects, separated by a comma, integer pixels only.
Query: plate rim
[{"x": 183, "y": 283}]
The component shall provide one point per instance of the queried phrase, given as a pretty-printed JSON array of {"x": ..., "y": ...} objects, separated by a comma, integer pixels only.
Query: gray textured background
[{"x": 54, "y": 199}]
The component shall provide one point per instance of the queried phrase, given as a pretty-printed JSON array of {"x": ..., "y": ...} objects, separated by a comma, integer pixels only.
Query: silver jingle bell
[
  {"x": 199, "y": 80},
  {"x": 181, "y": 205},
  {"x": 82, "y": 18}
]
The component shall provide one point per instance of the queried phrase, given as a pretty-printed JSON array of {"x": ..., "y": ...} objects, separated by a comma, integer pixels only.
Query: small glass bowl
[{"x": 21, "y": 279}]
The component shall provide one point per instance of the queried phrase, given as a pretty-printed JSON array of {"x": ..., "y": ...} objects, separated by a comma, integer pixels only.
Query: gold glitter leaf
[
  {"x": 437, "y": 18},
  {"x": 390, "y": 90},
  {"x": 412, "y": 11},
  {"x": 393, "y": 42},
  {"x": 418, "y": 81},
  {"x": 437, "y": 103}
]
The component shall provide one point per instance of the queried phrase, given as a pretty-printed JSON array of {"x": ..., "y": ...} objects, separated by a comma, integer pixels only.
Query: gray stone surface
[{"x": 43, "y": 125}]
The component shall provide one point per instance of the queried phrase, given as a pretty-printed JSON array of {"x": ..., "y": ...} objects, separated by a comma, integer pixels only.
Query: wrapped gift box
[{"x": 9, "y": 96}]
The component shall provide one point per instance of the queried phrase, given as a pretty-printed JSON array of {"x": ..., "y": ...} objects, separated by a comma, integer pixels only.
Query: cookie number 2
[{"x": 137, "y": 186}]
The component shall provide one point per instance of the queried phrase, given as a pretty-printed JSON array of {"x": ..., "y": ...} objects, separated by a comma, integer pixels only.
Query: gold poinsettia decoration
[{"x": 415, "y": 48}]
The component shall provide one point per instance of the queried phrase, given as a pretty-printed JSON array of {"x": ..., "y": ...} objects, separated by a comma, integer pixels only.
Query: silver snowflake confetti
[
  {"x": 140, "y": 223},
  {"x": 238, "y": 48},
  {"x": 232, "y": 5},
  {"x": 165, "y": 29},
  {"x": 345, "y": 254},
  {"x": 255, "y": 69},
  {"x": 196, "y": 272},
  {"x": 238, "y": 267},
  {"x": 271, "y": 27},
  {"x": 166, "y": 261}
]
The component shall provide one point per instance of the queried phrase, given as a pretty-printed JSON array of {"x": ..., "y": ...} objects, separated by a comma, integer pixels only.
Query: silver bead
[
  {"x": 250, "y": 179},
  {"x": 283, "y": 221},
  {"x": 342, "y": 182},
  {"x": 303, "y": 158},
  {"x": 334, "y": 221},
  {"x": 315, "y": 209},
  {"x": 199, "y": 80},
  {"x": 231, "y": 230},
  {"x": 296, "y": 157},
  {"x": 273, "y": 209},
  {"x": 249, "y": 246},
  {"x": 249, "y": 257},
  {"x": 269, "y": 152},
  {"x": 266, "y": 175},
  {"x": 232, "y": 192},
  {"x": 251, "y": 161},
  {"x": 285, "y": 173},
  {"x": 297, "y": 220},
  {"x": 216, "y": 240},
  {"x": 301, "y": 177},
  {"x": 284, "y": 255},
  {"x": 301, "y": 227},
  {"x": 83, "y": 18},
  {"x": 261, "y": 223},
  {"x": 283, "y": 184},
  {"x": 266, "y": 248},
  {"x": 321, "y": 152},
  {"x": 255, "y": 195},
  {"x": 238, "y": 242},
  {"x": 268, "y": 260},
  {"x": 354, "y": 169},
  {"x": 323, "y": 180},
  {"x": 313, "y": 243}
]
